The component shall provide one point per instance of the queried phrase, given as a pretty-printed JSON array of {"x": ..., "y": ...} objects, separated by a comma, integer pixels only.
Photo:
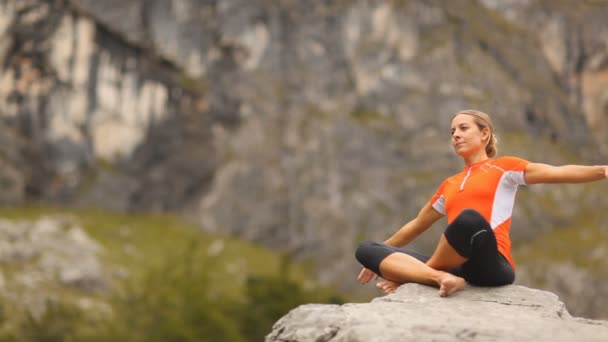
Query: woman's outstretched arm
[{"x": 542, "y": 173}]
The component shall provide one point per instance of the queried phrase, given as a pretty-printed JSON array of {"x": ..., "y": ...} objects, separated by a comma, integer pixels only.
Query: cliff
[{"x": 416, "y": 313}]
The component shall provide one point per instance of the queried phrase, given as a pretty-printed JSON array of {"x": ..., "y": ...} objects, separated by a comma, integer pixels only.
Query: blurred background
[{"x": 192, "y": 170}]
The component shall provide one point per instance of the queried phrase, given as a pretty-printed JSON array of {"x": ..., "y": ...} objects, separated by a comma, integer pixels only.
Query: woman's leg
[
  {"x": 371, "y": 253},
  {"x": 402, "y": 268},
  {"x": 445, "y": 256},
  {"x": 467, "y": 248},
  {"x": 398, "y": 266},
  {"x": 472, "y": 237}
]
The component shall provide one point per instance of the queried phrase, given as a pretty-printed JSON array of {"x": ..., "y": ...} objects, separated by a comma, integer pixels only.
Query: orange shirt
[{"x": 488, "y": 187}]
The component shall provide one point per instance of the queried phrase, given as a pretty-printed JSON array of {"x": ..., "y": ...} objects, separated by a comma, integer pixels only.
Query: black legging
[{"x": 471, "y": 236}]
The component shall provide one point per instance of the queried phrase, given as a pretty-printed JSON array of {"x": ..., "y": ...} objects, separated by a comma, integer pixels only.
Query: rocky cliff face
[
  {"x": 568, "y": 38},
  {"x": 78, "y": 96},
  {"x": 417, "y": 313},
  {"x": 306, "y": 126}
]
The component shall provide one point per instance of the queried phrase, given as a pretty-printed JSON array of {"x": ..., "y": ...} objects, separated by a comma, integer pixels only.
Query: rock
[
  {"x": 416, "y": 313},
  {"x": 570, "y": 281},
  {"x": 48, "y": 249}
]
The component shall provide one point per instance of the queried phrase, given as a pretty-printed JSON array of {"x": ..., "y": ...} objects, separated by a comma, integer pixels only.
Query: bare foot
[
  {"x": 387, "y": 286},
  {"x": 449, "y": 283}
]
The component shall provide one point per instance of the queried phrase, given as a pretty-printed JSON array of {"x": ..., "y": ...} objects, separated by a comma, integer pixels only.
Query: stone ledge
[{"x": 416, "y": 313}]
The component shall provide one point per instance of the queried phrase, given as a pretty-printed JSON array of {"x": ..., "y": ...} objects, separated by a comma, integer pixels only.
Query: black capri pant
[{"x": 471, "y": 236}]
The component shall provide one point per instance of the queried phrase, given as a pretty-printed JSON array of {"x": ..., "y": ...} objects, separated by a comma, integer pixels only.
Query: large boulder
[{"x": 416, "y": 313}]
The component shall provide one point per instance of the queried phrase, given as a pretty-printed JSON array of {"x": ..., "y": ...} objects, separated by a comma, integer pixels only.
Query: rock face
[
  {"x": 76, "y": 95},
  {"x": 416, "y": 313}
]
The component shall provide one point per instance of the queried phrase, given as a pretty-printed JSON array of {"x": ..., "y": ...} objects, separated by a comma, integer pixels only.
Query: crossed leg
[
  {"x": 474, "y": 240},
  {"x": 399, "y": 268}
]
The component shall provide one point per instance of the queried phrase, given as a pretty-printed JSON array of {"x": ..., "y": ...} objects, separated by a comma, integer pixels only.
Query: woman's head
[{"x": 464, "y": 139}]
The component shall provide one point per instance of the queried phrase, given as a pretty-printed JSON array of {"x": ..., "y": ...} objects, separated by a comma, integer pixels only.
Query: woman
[{"x": 478, "y": 202}]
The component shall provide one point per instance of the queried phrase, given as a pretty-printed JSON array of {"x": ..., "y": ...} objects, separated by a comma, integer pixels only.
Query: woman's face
[{"x": 467, "y": 139}]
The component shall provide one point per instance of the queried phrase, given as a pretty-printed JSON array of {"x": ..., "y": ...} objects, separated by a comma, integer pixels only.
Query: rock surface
[
  {"x": 40, "y": 258},
  {"x": 416, "y": 313}
]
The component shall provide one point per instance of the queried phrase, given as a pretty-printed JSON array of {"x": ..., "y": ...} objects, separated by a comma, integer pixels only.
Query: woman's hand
[{"x": 366, "y": 275}]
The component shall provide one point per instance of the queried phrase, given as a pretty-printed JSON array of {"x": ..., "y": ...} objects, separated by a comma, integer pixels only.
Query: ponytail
[{"x": 491, "y": 148}]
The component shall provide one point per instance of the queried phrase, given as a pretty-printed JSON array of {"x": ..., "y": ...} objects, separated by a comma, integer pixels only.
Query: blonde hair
[{"x": 482, "y": 120}]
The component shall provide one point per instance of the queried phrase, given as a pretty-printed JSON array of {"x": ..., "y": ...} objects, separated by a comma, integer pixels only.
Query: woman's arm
[
  {"x": 543, "y": 173},
  {"x": 426, "y": 217}
]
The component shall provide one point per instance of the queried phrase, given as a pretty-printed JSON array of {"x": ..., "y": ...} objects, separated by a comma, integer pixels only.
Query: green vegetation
[
  {"x": 192, "y": 84},
  {"x": 182, "y": 285},
  {"x": 515, "y": 143},
  {"x": 367, "y": 117},
  {"x": 578, "y": 246}
]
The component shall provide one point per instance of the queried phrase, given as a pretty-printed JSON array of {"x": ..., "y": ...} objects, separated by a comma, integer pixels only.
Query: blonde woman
[{"x": 478, "y": 202}]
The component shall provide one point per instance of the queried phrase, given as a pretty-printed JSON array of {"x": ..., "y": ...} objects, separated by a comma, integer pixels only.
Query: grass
[
  {"x": 581, "y": 245},
  {"x": 136, "y": 242},
  {"x": 366, "y": 117},
  {"x": 180, "y": 283}
]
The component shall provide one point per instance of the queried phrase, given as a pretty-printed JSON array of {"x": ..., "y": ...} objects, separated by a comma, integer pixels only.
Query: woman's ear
[{"x": 485, "y": 134}]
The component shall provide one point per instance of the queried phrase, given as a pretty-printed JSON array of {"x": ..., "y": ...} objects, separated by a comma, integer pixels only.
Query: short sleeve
[
  {"x": 514, "y": 169},
  {"x": 438, "y": 200}
]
